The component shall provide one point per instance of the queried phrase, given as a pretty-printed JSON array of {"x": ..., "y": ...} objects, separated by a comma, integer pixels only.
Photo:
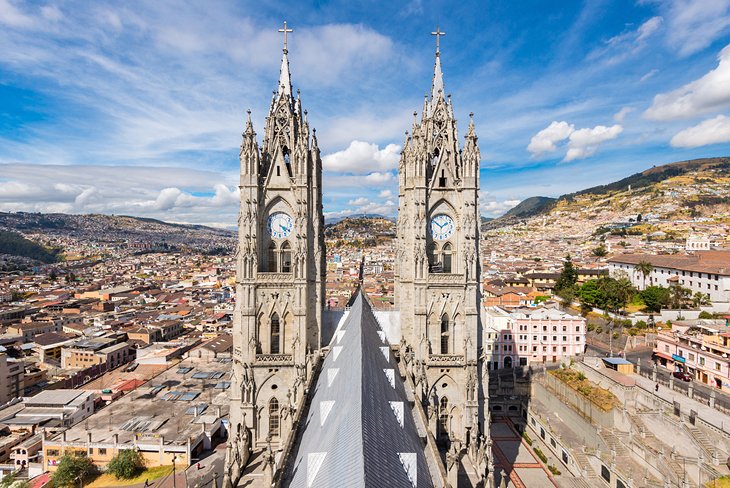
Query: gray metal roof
[{"x": 359, "y": 431}]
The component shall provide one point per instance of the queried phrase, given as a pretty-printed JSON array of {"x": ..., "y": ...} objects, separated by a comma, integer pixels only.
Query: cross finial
[
  {"x": 438, "y": 35},
  {"x": 285, "y": 30}
]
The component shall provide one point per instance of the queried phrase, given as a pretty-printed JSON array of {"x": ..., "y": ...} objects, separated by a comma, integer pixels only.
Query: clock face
[
  {"x": 280, "y": 225},
  {"x": 442, "y": 227}
]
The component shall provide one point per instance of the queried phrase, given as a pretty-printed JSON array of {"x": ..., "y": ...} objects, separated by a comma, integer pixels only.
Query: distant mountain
[
  {"x": 643, "y": 181},
  {"x": 334, "y": 220},
  {"x": 363, "y": 230},
  {"x": 119, "y": 229},
  {"x": 531, "y": 206}
]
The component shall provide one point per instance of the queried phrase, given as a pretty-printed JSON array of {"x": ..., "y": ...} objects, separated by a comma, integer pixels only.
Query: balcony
[
  {"x": 445, "y": 278},
  {"x": 275, "y": 359},
  {"x": 274, "y": 278},
  {"x": 446, "y": 360}
]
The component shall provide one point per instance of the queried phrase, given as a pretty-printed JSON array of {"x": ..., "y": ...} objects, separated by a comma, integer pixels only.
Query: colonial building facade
[
  {"x": 279, "y": 276},
  {"x": 437, "y": 281}
]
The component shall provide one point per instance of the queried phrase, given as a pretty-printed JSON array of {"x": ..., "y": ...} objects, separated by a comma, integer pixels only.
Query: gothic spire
[
  {"x": 284, "y": 76},
  {"x": 438, "y": 79}
]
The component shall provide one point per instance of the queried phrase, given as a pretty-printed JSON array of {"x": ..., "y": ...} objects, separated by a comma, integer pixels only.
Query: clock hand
[{"x": 283, "y": 228}]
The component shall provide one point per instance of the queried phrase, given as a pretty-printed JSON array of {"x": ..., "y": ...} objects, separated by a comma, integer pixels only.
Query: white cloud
[
  {"x": 649, "y": 27},
  {"x": 585, "y": 142},
  {"x": 362, "y": 157},
  {"x": 648, "y": 75},
  {"x": 707, "y": 94},
  {"x": 379, "y": 178},
  {"x": 385, "y": 194},
  {"x": 12, "y": 16},
  {"x": 621, "y": 114},
  {"x": 545, "y": 140},
  {"x": 582, "y": 143},
  {"x": 711, "y": 131},
  {"x": 490, "y": 206},
  {"x": 358, "y": 201},
  {"x": 693, "y": 25},
  {"x": 173, "y": 194}
]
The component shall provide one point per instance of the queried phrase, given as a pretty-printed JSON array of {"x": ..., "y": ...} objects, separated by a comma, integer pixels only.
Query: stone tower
[
  {"x": 437, "y": 280},
  {"x": 279, "y": 276}
]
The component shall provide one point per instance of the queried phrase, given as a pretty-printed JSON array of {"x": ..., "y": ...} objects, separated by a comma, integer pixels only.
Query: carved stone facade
[
  {"x": 279, "y": 276},
  {"x": 437, "y": 279}
]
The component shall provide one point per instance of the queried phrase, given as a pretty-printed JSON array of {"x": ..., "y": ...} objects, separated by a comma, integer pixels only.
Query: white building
[{"x": 704, "y": 271}]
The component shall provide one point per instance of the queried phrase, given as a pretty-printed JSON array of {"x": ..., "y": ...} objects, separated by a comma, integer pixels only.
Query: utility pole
[{"x": 174, "y": 457}]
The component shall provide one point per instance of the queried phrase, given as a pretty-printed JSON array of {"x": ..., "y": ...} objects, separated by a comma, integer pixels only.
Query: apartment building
[
  {"x": 11, "y": 378},
  {"x": 698, "y": 347},
  {"x": 531, "y": 335},
  {"x": 704, "y": 271}
]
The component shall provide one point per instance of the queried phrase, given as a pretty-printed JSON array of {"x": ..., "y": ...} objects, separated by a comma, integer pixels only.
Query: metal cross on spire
[
  {"x": 285, "y": 30},
  {"x": 438, "y": 35}
]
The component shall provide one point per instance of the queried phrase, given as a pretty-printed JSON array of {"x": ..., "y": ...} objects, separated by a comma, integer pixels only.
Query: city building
[
  {"x": 706, "y": 272},
  {"x": 11, "y": 378},
  {"x": 179, "y": 414},
  {"x": 525, "y": 335},
  {"x": 699, "y": 347}
]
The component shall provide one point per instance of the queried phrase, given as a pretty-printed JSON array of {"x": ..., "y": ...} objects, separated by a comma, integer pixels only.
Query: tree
[
  {"x": 699, "y": 299},
  {"x": 600, "y": 251},
  {"x": 565, "y": 286},
  {"x": 126, "y": 464},
  {"x": 645, "y": 268},
  {"x": 11, "y": 481},
  {"x": 71, "y": 468},
  {"x": 680, "y": 297},
  {"x": 655, "y": 298}
]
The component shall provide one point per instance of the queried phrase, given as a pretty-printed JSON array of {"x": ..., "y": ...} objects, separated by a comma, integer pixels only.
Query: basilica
[{"x": 322, "y": 398}]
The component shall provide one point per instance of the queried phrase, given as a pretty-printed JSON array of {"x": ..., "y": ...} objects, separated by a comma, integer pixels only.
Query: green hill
[{"x": 17, "y": 245}]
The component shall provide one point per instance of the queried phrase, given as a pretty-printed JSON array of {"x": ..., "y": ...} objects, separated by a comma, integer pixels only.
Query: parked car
[{"x": 682, "y": 375}]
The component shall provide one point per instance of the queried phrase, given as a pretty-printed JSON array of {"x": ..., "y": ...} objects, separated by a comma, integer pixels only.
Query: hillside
[
  {"x": 697, "y": 172},
  {"x": 360, "y": 231},
  {"x": 115, "y": 229},
  {"x": 663, "y": 204},
  {"x": 14, "y": 244}
]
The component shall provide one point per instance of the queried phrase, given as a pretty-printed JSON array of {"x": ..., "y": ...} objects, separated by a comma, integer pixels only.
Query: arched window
[
  {"x": 286, "y": 257},
  {"x": 444, "y": 334},
  {"x": 435, "y": 158},
  {"x": 275, "y": 334},
  {"x": 444, "y": 417},
  {"x": 274, "y": 430},
  {"x": 442, "y": 179},
  {"x": 286, "y": 156},
  {"x": 271, "y": 257},
  {"x": 446, "y": 257}
]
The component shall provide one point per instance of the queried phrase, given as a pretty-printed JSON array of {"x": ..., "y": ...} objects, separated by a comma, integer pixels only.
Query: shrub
[
  {"x": 126, "y": 464},
  {"x": 706, "y": 315},
  {"x": 640, "y": 324},
  {"x": 599, "y": 330},
  {"x": 540, "y": 454},
  {"x": 73, "y": 467},
  {"x": 581, "y": 376},
  {"x": 633, "y": 331},
  {"x": 527, "y": 438},
  {"x": 590, "y": 327},
  {"x": 554, "y": 470},
  {"x": 615, "y": 335}
]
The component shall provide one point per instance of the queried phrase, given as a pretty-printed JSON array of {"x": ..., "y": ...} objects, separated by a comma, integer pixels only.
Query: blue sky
[{"x": 138, "y": 107}]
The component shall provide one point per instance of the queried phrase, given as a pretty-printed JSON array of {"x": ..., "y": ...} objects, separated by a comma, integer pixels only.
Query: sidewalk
[{"x": 705, "y": 412}]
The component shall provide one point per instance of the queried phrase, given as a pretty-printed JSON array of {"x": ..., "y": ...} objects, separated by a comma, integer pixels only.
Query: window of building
[
  {"x": 577, "y": 328},
  {"x": 275, "y": 334},
  {"x": 102, "y": 451},
  {"x": 271, "y": 257},
  {"x": 691, "y": 357},
  {"x": 446, "y": 257},
  {"x": 444, "y": 334},
  {"x": 286, "y": 257},
  {"x": 565, "y": 339},
  {"x": 52, "y": 452},
  {"x": 274, "y": 417},
  {"x": 717, "y": 366},
  {"x": 702, "y": 360},
  {"x": 444, "y": 417}
]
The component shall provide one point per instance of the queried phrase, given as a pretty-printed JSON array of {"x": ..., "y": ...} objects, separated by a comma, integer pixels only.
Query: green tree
[
  {"x": 655, "y": 298},
  {"x": 680, "y": 297},
  {"x": 11, "y": 481},
  {"x": 565, "y": 286},
  {"x": 73, "y": 468},
  {"x": 700, "y": 298},
  {"x": 126, "y": 464},
  {"x": 706, "y": 315},
  {"x": 645, "y": 268},
  {"x": 600, "y": 251}
]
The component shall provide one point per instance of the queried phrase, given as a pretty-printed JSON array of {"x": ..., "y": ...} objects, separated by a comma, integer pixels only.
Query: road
[{"x": 701, "y": 390}]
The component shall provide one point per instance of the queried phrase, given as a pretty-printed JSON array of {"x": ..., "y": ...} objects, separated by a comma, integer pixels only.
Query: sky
[{"x": 137, "y": 108}]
